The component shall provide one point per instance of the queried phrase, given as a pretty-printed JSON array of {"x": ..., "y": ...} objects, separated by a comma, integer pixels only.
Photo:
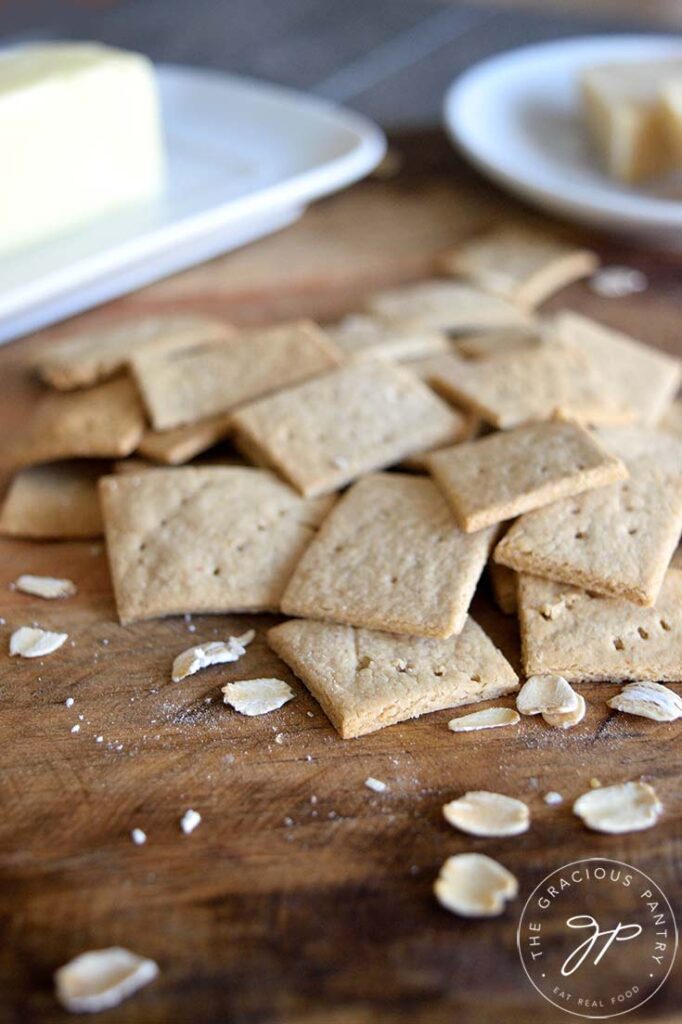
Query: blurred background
[{"x": 391, "y": 59}]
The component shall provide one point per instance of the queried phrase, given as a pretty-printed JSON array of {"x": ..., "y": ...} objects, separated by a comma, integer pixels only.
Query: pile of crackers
[{"x": 379, "y": 466}]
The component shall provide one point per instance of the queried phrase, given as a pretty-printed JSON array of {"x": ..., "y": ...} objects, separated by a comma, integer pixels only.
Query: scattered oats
[
  {"x": 566, "y": 719},
  {"x": 101, "y": 979},
  {"x": 490, "y": 718},
  {"x": 189, "y": 821},
  {"x": 69, "y": 702},
  {"x": 217, "y": 652},
  {"x": 45, "y": 586},
  {"x": 257, "y": 696},
  {"x": 481, "y": 813},
  {"x": 473, "y": 885},
  {"x": 648, "y": 700},
  {"x": 616, "y": 282},
  {"x": 376, "y": 784},
  {"x": 30, "y": 642},
  {"x": 75, "y": 728},
  {"x": 553, "y": 798},
  {"x": 627, "y": 807},
  {"x": 546, "y": 694},
  {"x": 138, "y": 837}
]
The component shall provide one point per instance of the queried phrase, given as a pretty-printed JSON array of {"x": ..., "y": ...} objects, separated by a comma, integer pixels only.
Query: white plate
[
  {"x": 244, "y": 159},
  {"x": 517, "y": 117}
]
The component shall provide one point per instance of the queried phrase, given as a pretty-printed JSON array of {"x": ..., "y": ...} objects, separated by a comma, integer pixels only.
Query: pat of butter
[
  {"x": 671, "y": 105},
  {"x": 81, "y": 135},
  {"x": 624, "y": 117}
]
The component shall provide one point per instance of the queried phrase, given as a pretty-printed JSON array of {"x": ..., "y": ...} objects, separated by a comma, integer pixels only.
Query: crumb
[
  {"x": 376, "y": 785},
  {"x": 553, "y": 798},
  {"x": 189, "y": 821},
  {"x": 75, "y": 728},
  {"x": 138, "y": 837},
  {"x": 69, "y": 702}
]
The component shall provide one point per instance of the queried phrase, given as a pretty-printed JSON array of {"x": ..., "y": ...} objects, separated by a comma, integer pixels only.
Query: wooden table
[{"x": 302, "y": 896}]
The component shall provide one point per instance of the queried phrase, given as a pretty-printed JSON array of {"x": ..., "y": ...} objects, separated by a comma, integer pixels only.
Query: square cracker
[
  {"x": 617, "y": 540},
  {"x": 506, "y": 474},
  {"x": 183, "y": 386},
  {"x": 326, "y": 432},
  {"x": 365, "y": 680},
  {"x": 203, "y": 540},
  {"x": 53, "y": 502},
  {"x": 362, "y": 337},
  {"x": 93, "y": 355},
  {"x": 103, "y": 422},
  {"x": 390, "y": 556},
  {"x": 173, "y": 447},
  {"x": 446, "y": 306},
  {"x": 529, "y": 385},
  {"x": 569, "y": 632},
  {"x": 638, "y": 376},
  {"x": 519, "y": 263}
]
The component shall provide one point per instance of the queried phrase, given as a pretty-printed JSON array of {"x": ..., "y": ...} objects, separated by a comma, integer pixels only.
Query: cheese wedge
[
  {"x": 81, "y": 135},
  {"x": 624, "y": 117}
]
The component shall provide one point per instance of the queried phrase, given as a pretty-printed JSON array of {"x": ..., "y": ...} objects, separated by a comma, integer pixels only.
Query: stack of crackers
[{"x": 378, "y": 467}]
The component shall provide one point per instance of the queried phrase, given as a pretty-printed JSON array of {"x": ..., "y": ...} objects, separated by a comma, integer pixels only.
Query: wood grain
[{"x": 252, "y": 919}]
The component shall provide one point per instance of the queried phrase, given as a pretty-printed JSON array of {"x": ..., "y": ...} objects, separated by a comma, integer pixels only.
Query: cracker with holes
[
  {"x": 390, "y": 556},
  {"x": 584, "y": 637},
  {"x": 203, "y": 540},
  {"x": 639, "y": 377},
  {"x": 446, "y": 306},
  {"x": 104, "y": 422},
  {"x": 53, "y": 502},
  {"x": 174, "y": 447},
  {"x": 326, "y": 432},
  {"x": 366, "y": 337},
  {"x": 617, "y": 540},
  {"x": 365, "y": 680},
  {"x": 519, "y": 263},
  {"x": 506, "y": 474},
  {"x": 528, "y": 386},
  {"x": 185, "y": 385},
  {"x": 90, "y": 356}
]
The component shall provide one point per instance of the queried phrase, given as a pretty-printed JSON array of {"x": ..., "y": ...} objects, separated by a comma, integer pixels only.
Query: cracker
[
  {"x": 366, "y": 680},
  {"x": 504, "y": 582},
  {"x": 617, "y": 540},
  {"x": 530, "y": 385},
  {"x": 53, "y": 503},
  {"x": 362, "y": 337},
  {"x": 638, "y": 376},
  {"x": 492, "y": 344},
  {"x": 94, "y": 355},
  {"x": 506, "y": 474},
  {"x": 104, "y": 422},
  {"x": 390, "y": 556},
  {"x": 521, "y": 264},
  {"x": 203, "y": 540},
  {"x": 446, "y": 306},
  {"x": 326, "y": 432},
  {"x": 184, "y": 386},
  {"x": 583, "y": 637},
  {"x": 173, "y": 447}
]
